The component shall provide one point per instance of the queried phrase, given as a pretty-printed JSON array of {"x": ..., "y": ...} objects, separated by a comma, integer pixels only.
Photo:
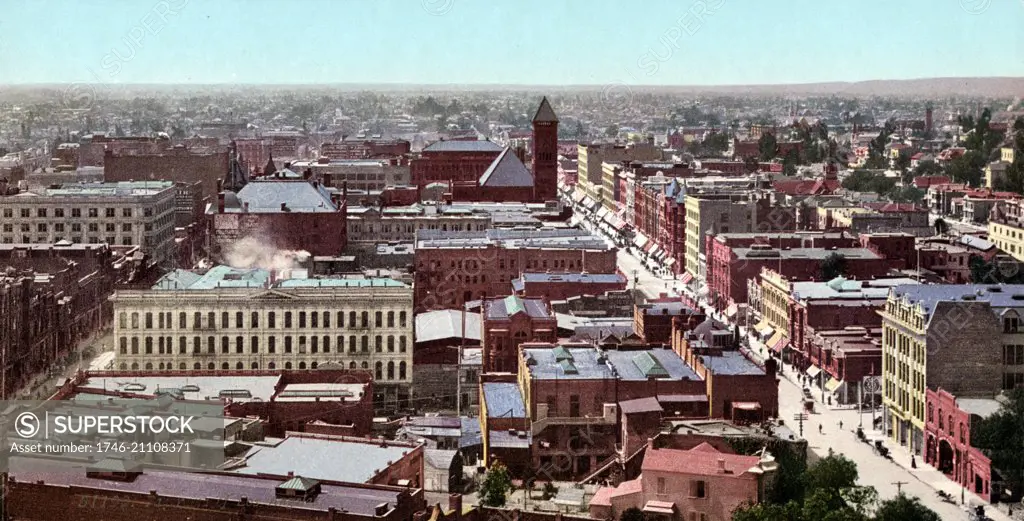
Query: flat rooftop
[
  {"x": 503, "y": 400},
  {"x": 841, "y": 288},
  {"x": 553, "y": 238},
  {"x": 731, "y": 363},
  {"x": 357, "y": 500},
  {"x": 113, "y": 189},
  {"x": 322, "y": 458},
  {"x": 193, "y": 387},
  {"x": 804, "y": 253}
]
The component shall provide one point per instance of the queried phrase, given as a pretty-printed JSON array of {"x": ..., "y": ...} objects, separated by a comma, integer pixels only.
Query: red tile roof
[
  {"x": 807, "y": 186},
  {"x": 924, "y": 181},
  {"x": 700, "y": 460}
]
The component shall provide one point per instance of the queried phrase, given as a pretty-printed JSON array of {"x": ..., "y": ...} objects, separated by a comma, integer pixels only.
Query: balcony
[{"x": 610, "y": 417}]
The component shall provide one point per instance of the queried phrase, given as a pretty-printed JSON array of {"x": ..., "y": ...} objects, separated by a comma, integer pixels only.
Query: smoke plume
[{"x": 252, "y": 252}]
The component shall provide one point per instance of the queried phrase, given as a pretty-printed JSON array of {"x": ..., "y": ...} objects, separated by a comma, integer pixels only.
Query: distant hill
[{"x": 991, "y": 87}]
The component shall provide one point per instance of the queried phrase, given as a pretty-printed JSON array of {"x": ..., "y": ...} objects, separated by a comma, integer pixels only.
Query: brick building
[
  {"x": 93, "y": 149},
  {"x": 363, "y": 147},
  {"x": 177, "y": 164},
  {"x": 45, "y": 491},
  {"x": 729, "y": 268},
  {"x": 961, "y": 338},
  {"x": 453, "y": 161},
  {"x": 948, "y": 445},
  {"x": 507, "y": 323},
  {"x": 699, "y": 483},
  {"x": 285, "y": 400},
  {"x": 653, "y": 318},
  {"x": 560, "y": 286},
  {"x": 284, "y": 214},
  {"x": 357, "y": 174},
  {"x": 456, "y": 267},
  {"x": 53, "y": 298}
]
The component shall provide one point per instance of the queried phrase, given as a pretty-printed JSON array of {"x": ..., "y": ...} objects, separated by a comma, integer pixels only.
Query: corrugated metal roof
[
  {"x": 507, "y": 170},
  {"x": 503, "y": 400}
]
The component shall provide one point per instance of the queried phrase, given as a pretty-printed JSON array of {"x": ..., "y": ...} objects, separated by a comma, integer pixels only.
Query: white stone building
[{"x": 231, "y": 319}]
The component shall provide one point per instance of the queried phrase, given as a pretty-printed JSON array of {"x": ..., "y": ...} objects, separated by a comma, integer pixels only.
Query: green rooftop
[
  {"x": 561, "y": 353},
  {"x": 568, "y": 367},
  {"x": 514, "y": 304},
  {"x": 650, "y": 366}
]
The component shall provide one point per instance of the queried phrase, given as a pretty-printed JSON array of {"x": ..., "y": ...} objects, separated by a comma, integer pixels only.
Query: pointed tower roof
[
  {"x": 545, "y": 114},
  {"x": 270, "y": 168}
]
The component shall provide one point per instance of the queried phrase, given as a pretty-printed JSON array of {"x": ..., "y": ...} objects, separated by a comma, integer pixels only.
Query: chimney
[
  {"x": 284, "y": 206},
  {"x": 291, "y": 474},
  {"x": 344, "y": 190},
  {"x": 650, "y": 444},
  {"x": 220, "y": 185},
  {"x": 220, "y": 202},
  {"x": 245, "y": 207},
  {"x": 721, "y": 465},
  {"x": 455, "y": 505}
]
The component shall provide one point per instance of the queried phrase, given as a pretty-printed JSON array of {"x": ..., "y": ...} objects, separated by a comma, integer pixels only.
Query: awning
[
  {"x": 833, "y": 385},
  {"x": 602, "y": 212},
  {"x": 654, "y": 251},
  {"x": 762, "y": 326},
  {"x": 578, "y": 197},
  {"x": 746, "y": 406},
  {"x": 660, "y": 507},
  {"x": 639, "y": 240},
  {"x": 686, "y": 278},
  {"x": 776, "y": 342},
  {"x": 670, "y": 261},
  {"x": 731, "y": 310},
  {"x": 650, "y": 246},
  {"x": 813, "y": 371}
]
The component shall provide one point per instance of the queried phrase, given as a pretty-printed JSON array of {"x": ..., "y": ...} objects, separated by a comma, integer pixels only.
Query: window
[
  {"x": 401, "y": 344},
  {"x": 239, "y": 345},
  {"x": 124, "y": 345},
  {"x": 401, "y": 370},
  {"x": 271, "y": 320},
  {"x": 272, "y": 346},
  {"x": 401, "y": 319},
  {"x": 122, "y": 320},
  {"x": 1010, "y": 324},
  {"x": 378, "y": 373},
  {"x": 149, "y": 345},
  {"x": 223, "y": 344},
  {"x": 327, "y": 319},
  {"x": 181, "y": 345},
  {"x": 365, "y": 322},
  {"x": 391, "y": 319},
  {"x": 365, "y": 343},
  {"x": 313, "y": 319},
  {"x": 378, "y": 343},
  {"x": 126, "y": 227},
  {"x": 661, "y": 485},
  {"x": 254, "y": 319},
  {"x": 391, "y": 370},
  {"x": 41, "y": 212},
  {"x": 327, "y": 343},
  {"x": 109, "y": 227},
  {"x": 287, "y": 344},
  {"x": 149, "y": 321},
  {"x": 574, "y": 406},
  {"x": 109, "y": 212},
  {"x": 224, "y": 322},
  {"x": 391, "y": 343},
  {"x": 352, "y": 344},
  {"x": 287, "y": 319},
  {"x": 126, "y": 212},
  {"x": 302, "y": 319},
  {"x": 698, "y": 488},
  {"x": 182, "y": 320},
  {"x": 351, "y": 319},
  {"x": 238, "y": 319},
  {"x": 254, "y": 345}
]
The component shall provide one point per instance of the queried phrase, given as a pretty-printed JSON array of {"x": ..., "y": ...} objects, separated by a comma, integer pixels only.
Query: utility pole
[{"x": 899, "y": 486}]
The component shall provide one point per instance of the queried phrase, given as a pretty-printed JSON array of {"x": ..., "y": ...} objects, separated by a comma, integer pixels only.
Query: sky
[{"x": 527, "y": 42}]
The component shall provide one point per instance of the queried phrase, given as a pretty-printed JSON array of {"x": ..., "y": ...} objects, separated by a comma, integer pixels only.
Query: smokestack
[
  {"x": 220, "y": 185},
  {"x": 220, "y": 202}
]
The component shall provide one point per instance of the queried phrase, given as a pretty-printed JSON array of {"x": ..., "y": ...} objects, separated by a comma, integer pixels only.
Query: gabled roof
[
  {"x": 545, "y": 114},
  {"x": 507, "y": 170},
  {"x": 299, "y": 483}
]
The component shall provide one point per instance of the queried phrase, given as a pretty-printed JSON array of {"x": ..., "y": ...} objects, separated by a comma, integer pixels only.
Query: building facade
[
  {"x": 229, "y": 319},
  {"x": 958, "y": 337},
  {"x": 140, "y": 213}
]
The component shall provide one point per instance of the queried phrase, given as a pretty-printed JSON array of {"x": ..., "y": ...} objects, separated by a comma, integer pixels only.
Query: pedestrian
[
  {"x": 819, "y": 429},
  {"x": 840, "y": 424}
]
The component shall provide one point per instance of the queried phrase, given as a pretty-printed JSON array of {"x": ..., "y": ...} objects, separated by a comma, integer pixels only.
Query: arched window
[
  {"x": 182, "y": 366},
  {"x": 391, "y": 343},
  {"x": 135, "y": 345},
  {"x": 211, "y": 366},
  {"x": 124, "y": 366},
  {"x": 366, "y": 365},
  {"x": 302, "y": 365},
  {"x": 135, "y": 366},
  {"x": 391, "y": 370},
  {"x": 314, "y": 364},
  {"x": 378, "y": 371},
  {"x": 224, "y": 344},
  {"x": 378, "y": 343},
  {"x": 160, "y": 345},
  {"x": 391, "y": 319},
  {"x": 122, "y": 320},
  {"x": 224, "y": 366},
  {"x": 255, "y": 365},
  {"x": 149, "y": 345},
  {"x": 401, "y": 319},
  {"x": 352, "y": 365},
  {"x": 124, "y": 345},
  {"x": 239, "y": 345},
  {"x": 365, "y": 322},
  {"x": 365, "y": 341},
  {"x": 287, "y": 365},
  {"x": 401, "y": 370},
  {"x": 197, "y": 366},
  {"x": 327, "y": 342},
  {"x": 239, "y": 365},
  {"x": 161, "y": 366},
  {"x": 271, "y": 365},
  {"x": 401, "y": 344}
]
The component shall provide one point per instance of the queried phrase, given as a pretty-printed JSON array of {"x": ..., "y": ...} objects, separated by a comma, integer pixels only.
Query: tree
[
  {"x": 767, "y": 146},
  {"x": 790, "y": 162},
  {"x": 769, "y": 512},
  {"x": 1001, "y": 438},
  {"x": 832, "y": 266},
  {"x": 967, "y": 168},
  {"x": 906, "y": 194},
  {"x": 903, "y": 508},
  {"x": 580, "y": 132},
  {"x": 496, "y": 486},
  {"x": 716, "y": 144},
  {"x": 611, "y": 131},
  {"x": 927, "y": 168},
  {"x": 632, "y": 514}
]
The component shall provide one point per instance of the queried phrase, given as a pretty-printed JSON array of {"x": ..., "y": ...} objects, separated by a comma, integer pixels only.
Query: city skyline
[{"x": 458, "y": 42}]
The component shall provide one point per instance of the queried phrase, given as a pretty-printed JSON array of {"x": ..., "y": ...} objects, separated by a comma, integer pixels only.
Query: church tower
[{"x": 545, "y": 153}]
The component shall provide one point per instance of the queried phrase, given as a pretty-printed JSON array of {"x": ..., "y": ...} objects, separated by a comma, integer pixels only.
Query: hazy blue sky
[{"x": 548, "y": 42}]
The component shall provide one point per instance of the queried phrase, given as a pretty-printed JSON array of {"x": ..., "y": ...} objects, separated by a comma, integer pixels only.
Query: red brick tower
[{"x": 545, "y": 153}]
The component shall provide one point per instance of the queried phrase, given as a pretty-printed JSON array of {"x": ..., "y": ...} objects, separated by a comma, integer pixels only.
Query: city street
[{"x": 634, "y": 270}]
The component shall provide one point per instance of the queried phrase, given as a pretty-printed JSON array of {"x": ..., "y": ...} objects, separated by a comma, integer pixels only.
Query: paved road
[
  {"x": 650, "y": 284},
  {"x": 874, "y": 470}
]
